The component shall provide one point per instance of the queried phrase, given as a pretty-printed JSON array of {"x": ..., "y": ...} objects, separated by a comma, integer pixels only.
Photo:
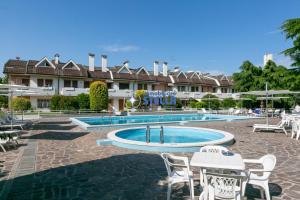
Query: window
[
  {"x": 48, "y": 82},
  {"x": 123, "y": 86},
  {"x": 109, "y": 86},
  {"x": 224, "y": 90},
  {"x": 86, "y": 84},
  {"x": 181, "y": 88},
  {"x": 142, "y": 86},
  {"x": 67, "y": 83},
  {"x": 153, "y": 87},
  {"x": 202, "y": 89},
  {"x": 194, "y": 89},
  {"x": 25, "y": 82},
  {"x": 75, "y": 84},
  {"x": 43, "y": 103},
  {"x": 40, "y": 82},
  {"x": 214, "y": 90},
  {"x": 44, "y": 64}
]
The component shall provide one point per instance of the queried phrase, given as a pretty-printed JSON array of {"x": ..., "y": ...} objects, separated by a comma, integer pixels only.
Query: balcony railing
[
  {"x": 120, "y": 93},
  {"x": 71, "y": 91}
]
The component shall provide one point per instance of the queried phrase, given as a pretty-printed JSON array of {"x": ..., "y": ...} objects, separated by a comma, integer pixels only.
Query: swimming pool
[
  {"x": 108, "y": 121},
  {"x": 173, "y": 139}
]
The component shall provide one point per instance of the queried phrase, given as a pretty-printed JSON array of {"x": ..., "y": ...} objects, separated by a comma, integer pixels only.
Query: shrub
[
  {"x": 59, "y": 102},
  {"x": 55, "y": 102},
  {"x": 21, "y": 104},
  {"x": 98, "y": 96},
  {"x": 68, "y": 103},
  {"x": 200, "y": 104},
  {"x": 228, "y": 103},
  {"x": 3, "y": 101},
  {"x": 178, "y": 103},
  {"x": 83, "y": 101},
  {"x": 192, "y": 103},
  {"x": 128, "y": 104},
  {"x": 211, "y": 101}
]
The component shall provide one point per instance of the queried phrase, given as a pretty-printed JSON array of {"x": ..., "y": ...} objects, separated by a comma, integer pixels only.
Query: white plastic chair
[
  {"x": 222, "y": 186},
  {"x": 237, "y": 112},
  {"x": 203, "y": 110},
  {"x": 230, "y": 111},
  {"x": 178, "y": 169},
  {"x": 3, "y": 140},
  {"x": 296, "y": 128},
  {"x": 211, "y": 149},
  {"x": 268, "y": 162}
]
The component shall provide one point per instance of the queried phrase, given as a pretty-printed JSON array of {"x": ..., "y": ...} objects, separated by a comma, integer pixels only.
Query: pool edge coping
[
  {"x": 228, "y": 137},
  {"x": 76, "y": 120}
]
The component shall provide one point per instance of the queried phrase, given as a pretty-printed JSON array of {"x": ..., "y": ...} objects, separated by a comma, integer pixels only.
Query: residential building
[{"x": 71, "y": 78}]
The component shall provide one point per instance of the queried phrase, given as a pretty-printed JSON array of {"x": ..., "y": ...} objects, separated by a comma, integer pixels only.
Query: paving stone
[{"x": 64, "y": 162}]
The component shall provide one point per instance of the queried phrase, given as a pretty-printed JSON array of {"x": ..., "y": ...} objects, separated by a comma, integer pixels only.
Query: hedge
[{"x": 98, "y": 96}]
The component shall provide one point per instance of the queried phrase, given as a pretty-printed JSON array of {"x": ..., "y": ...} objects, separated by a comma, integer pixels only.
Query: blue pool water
[
  {"x": 171, "y": 135},
  {"x": 146, "y": 119}
]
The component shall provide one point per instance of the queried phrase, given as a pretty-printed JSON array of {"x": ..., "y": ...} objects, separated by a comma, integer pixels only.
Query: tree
[
  {"x": 139, "y": 97},
  {"x": 291, "y": 28},
  {"x": 83, "y": 101},
  {"x": 21, "y": 104},
  {"x": 98, "y": 96},
  {"x": 4, "y": 80},
  {"x": 211, "y": 101},
  {"x": 274, "y": 75},
  {"x": 247, "y": 78}
]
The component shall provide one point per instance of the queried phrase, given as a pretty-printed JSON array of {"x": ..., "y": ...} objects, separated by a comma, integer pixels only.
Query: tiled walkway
[{"x": 60, "y": 161}]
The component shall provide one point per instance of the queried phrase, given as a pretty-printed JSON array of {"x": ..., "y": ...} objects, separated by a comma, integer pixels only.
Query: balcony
[
  {"x": 184, "y": 95},
  {"x": 70, "y": 91},
  {"x": 120, "y": 93},
  {"x": 199, "y": 95}
]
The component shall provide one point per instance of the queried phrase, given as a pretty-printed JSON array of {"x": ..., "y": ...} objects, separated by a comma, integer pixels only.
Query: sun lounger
[{"x": 273, "y": 127}]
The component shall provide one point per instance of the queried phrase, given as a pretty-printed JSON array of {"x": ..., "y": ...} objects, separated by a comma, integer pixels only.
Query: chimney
[
  {"x": 126, "y": 63},
  {"x": 176, "y": 69},
  {"x": 155, "y": 68},
  {"x": 91, "y": 62},
  {"x": 56, "y": 58},
  {"x": 165, "y": 69},
  {"x": 104, "y": 63}
]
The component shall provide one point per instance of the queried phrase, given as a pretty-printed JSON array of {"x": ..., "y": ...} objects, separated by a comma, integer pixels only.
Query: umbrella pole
[
  {"x": 272, "y": 106},
  {"x": 267, "y": 103}
]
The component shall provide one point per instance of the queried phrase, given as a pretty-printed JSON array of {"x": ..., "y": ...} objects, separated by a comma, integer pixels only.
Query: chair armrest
[
  {"x": 252, "y": 161},
  {"x": 184, "y": 159},
  {"x": 178, "y": 165}
]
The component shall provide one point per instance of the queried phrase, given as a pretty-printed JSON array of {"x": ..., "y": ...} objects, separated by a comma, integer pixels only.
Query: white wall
[{"x": 33, "y": 101}]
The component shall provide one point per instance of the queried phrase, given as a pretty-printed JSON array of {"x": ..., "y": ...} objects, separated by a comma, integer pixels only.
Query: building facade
[{"x": 54, "y": 77}]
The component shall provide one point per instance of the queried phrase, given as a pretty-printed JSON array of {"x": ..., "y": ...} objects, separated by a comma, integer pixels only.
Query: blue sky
[{"x": 208, "y": 35}]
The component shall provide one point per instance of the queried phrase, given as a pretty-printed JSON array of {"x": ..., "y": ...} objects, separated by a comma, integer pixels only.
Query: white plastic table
[
  {"x": 217, "y": 161},
  {"x": 206, "y": 160}
]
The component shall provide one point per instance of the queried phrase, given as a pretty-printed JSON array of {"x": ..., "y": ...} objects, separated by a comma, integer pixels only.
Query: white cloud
[
  {"x": 115, "y": 48},
  {"x": 283, "y": 60}
]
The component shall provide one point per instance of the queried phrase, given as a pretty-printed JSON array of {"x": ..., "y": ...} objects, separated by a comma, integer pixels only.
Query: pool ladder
[{"x": 161, "y": 135}]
